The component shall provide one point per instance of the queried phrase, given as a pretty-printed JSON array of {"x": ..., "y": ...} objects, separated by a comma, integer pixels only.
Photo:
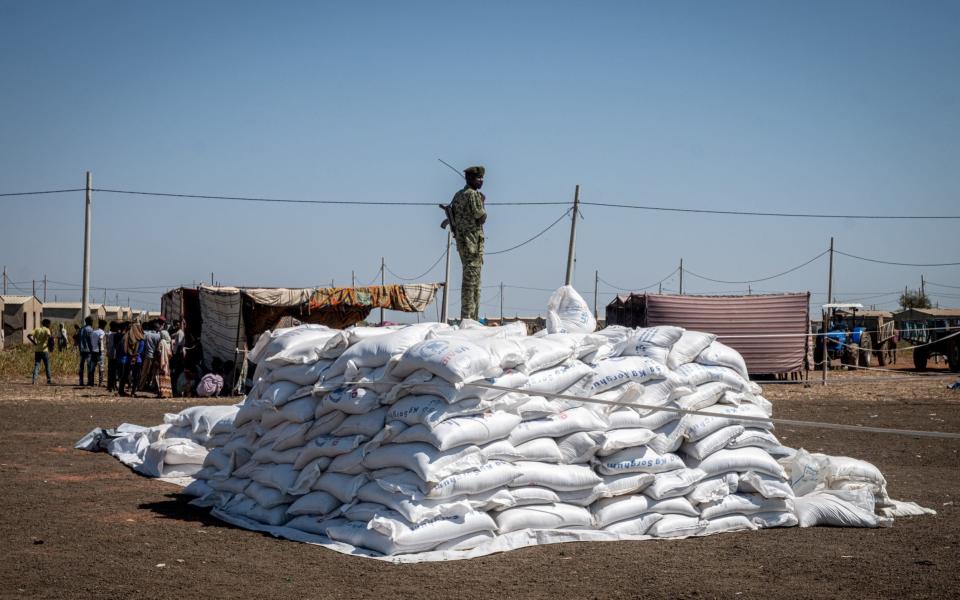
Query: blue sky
[{"x": 822, "y": 107}]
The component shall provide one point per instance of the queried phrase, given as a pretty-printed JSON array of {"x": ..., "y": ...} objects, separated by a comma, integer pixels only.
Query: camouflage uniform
[{"x": 468, "y": 213}]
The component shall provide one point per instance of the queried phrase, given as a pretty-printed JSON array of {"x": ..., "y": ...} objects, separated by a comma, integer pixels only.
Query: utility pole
[
  {"x": 211, "y": 278},
  {"x": 34, "y": 288},
  {"x": 830, "y": 280},
  {"x": 749, "y": 290},
  {"x": 117, "y": 298},
  {"x": 596, "y": 288},
  {"x": 353, "y": 279},
  {"x": 383, "y": 268},
  {"x": 501, "y": 303},
  {"x": 44, "y": 287},
  {"x": 923, "y": 286},
  {"x": 681, "y": 276},
  {"x": 85, "y": 304},
  {"x": 826, "y": 323},
  {"x": 4, "y": 280},
  {"x": 660, "y": 288},
  {"x": 446, "y": 279},
  {"x": 573, "y": 235}
]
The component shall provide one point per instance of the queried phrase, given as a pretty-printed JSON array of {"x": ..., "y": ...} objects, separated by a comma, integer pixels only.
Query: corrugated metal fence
[{"x": 768, "y": 330}]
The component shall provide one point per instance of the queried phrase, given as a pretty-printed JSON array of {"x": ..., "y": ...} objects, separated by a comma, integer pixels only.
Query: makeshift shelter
[
  {"x": 20, "y": 316},
  {"x": 769, "y": 330},
  {"x": 228, "y": 319}
]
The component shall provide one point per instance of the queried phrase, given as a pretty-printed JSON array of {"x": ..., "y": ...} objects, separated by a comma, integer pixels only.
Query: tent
[
  {"x": 769, "y": 330},
  {"x": 228, "y": 319}
]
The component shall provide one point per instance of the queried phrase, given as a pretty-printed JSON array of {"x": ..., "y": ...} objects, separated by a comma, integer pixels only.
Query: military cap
[{"x": 474, "y": 171}]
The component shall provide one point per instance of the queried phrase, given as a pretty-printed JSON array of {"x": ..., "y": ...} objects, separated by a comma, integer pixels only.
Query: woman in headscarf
[{"x": 163, "y": 355}]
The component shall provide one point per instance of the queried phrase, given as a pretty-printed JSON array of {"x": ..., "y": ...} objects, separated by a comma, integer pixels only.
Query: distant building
[
  {"x": 20, "y": 315},
  {"x": 70, "y": 313}
]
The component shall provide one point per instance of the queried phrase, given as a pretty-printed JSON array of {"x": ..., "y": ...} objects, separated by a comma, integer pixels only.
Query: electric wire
[
  {"x": 899, "y": 264},
  {"x": 762, "y": 214},
  {"x": 37, "y": 193},
  {"x": 524, "y": 243},
  {"x": 622, "y": 289},
  {"x": 800, "y": 266},
  {"x": 424, "y": 274}
]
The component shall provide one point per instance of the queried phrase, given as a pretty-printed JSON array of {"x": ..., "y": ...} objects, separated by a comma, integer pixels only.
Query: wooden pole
[
  {"x": 446, "y": 280},
  {"x": 501, "y": 303},
  {"x": 573, "y": 236},
  {"x": 353, "y": 279},
  {"x": 34, "y": 288},
  {"x": 383, "y": 268},
  {"x": 826, "y": 324},
  {"x": 44, "y": 287},
  {"x": 830, "y": 280},
  {"x": 596, "y": 289},
  {"x": 4, "y": 280},
  {"x": 85, "y": 303},
  {"x": 211, "y": 278},
  {"x": 681, "y": 276}
]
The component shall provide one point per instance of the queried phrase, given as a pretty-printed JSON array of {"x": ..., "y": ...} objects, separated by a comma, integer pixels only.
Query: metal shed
[{"x": 770, "y": 330}]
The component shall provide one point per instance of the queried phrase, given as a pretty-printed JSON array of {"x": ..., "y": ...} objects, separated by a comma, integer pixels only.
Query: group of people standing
[{"x": 151, "y": 357}]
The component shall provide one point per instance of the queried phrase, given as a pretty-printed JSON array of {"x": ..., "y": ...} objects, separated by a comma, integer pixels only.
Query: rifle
[{"x": 446, "y": 207}]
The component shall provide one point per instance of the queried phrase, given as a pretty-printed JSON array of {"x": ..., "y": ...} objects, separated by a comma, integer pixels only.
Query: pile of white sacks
[{"x": 434, "y": 442}]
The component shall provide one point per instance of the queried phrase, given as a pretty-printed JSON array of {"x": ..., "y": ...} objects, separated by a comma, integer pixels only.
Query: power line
[
  {"x": 546, "y": 203},
  {"x": 37, "y": 193},
  {"x": 524, "y": 243},
  {"x": 744, "y": 213},
  {"x": 899, "y": 264},
  {"x": 689, "y": 272},
  {"x": 305, "y": 201},
  {"x": 432, "y": 267},
  {"x": 623, "y": 289},
  {"x": 956, "y": 287}
]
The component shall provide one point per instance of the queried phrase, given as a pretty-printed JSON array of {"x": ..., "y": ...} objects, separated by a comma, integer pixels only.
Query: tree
[{"x": 915, "y": 299}]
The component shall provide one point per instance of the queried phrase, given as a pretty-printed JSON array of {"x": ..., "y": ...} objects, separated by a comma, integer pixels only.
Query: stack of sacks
[
  {"x": 405, "y": 440},
  {"x": 382, "y": 439}
]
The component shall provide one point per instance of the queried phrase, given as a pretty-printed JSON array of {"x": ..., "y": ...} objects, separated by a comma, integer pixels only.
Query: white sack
[
  {"x": 454, "y": 360},
  {"x": 740, "y": 460},
  {"x": 476, "y": 429},
  {"x": 565, "y": 423},
  {"x": 546, "y": 516},
  {"x": 688, "y": 347},
  {"x": 724, "y": 356},
  {"x": 556, "y": 477},
  {"x": 611, "y": 510},
  {"x": 638, "y": 460},
  {"x": 568, "y": 312}
]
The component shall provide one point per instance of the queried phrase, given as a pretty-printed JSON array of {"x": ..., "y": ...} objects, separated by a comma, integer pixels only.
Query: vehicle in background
[
  {"x": 846, "y": 337},
  {"x": 935, "y": 332}
]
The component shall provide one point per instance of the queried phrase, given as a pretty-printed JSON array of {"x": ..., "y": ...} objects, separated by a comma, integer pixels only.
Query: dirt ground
[{"x": 81, "y": 525}]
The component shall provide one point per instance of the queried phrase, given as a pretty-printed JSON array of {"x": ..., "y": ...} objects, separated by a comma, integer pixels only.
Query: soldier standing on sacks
[{"x": 469, "y": 216}]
